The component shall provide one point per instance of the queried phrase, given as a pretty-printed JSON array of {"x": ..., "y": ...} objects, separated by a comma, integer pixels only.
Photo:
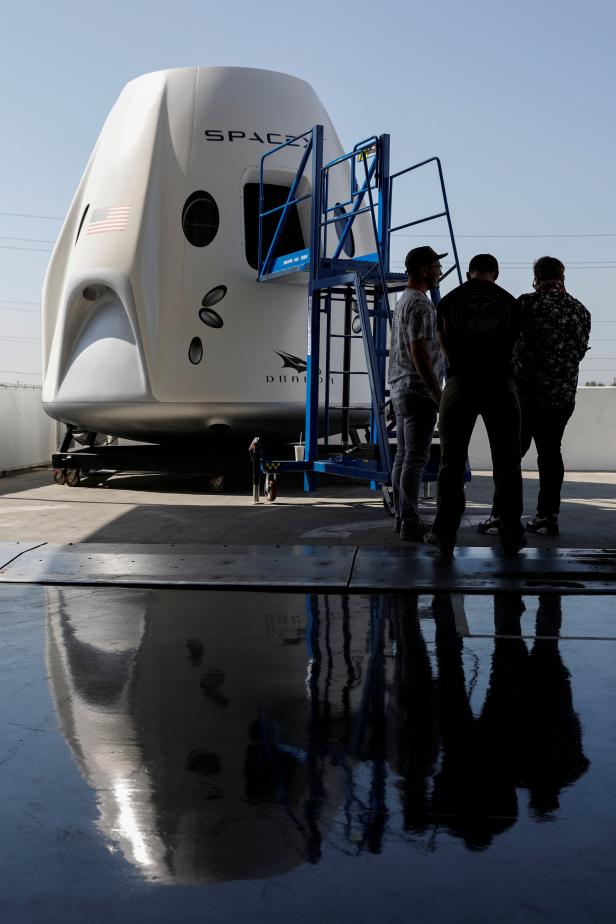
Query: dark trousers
[
  {"x": 497, "y": 402},
  {"x": 546, "y": 426}
]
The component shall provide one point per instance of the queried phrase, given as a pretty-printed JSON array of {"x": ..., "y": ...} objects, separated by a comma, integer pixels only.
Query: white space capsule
[{"x": 154, "y": 325}]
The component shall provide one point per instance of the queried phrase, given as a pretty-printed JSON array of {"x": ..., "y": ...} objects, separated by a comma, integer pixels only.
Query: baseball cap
[{"x": 421, "y": 256}]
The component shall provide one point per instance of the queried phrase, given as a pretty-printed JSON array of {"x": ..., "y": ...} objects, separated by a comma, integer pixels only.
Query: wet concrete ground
[
  {"x": 164, "y": 509},
  {"x": 232, "y": 755},
  {"x": 226, "y": 756}
]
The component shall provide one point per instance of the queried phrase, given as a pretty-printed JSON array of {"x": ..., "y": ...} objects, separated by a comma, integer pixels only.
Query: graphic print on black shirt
[{"x": 480, "y": 323}]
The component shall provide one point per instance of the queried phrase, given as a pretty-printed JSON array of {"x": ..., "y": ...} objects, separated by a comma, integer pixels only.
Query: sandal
[{"x": 492, "y": 523}]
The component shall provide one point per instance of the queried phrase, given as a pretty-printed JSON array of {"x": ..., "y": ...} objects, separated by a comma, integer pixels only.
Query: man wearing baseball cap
[{"x": 416, "y": 372}]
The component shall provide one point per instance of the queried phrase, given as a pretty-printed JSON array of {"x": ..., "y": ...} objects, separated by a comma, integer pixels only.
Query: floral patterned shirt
[{"x": 555, "y": 328}]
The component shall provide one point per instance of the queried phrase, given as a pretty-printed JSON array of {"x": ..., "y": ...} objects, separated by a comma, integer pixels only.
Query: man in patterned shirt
[
  {"x": 416, "y": 371},
  {"x": 555, "y": 328}
]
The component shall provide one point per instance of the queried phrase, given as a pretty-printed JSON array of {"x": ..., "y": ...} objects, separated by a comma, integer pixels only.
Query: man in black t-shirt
[{"x": 478, "y": 325}]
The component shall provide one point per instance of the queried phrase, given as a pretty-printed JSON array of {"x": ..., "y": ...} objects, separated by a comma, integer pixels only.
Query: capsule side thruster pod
[{"x": 154, "y": 326}]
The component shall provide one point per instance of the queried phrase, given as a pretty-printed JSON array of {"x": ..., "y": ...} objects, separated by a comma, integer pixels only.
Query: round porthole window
[
  {"x": 349, "y": 243},
  {"x": 195, "y": 351},
  {"x": 200, "y": 219},
  {"x": 356, "y": 325},
  {"x": 210, "y": 317},
  {"x": 214, "y": 296}
]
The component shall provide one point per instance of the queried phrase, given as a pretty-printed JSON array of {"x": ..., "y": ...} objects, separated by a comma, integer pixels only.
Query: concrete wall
[
  {"x": 590, "y": 438},
  {"x": 25, "y": 428},
  {"x": 589, "y": 444}
]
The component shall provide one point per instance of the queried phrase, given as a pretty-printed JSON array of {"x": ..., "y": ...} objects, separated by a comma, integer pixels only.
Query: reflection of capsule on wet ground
[
  {"x": 236, "y": 735},
  {"x": 154, "y": 325},
  {"x": 215, "y": 738}
]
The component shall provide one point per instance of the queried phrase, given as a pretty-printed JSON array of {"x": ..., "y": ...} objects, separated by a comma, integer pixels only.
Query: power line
[
  {"x": 31, "y": 249},
  {"x": 20, "y": 310},
  {"x": 488, "y": 235},
  {"x": 21, "y": 339},
  {"x": 18, "y": 372},
  {"x": 31, "y": 240},
  {"x": 25, "y": 215}
]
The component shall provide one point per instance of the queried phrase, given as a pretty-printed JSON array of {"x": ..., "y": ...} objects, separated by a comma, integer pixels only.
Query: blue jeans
[{"x": 415, "y": 422}]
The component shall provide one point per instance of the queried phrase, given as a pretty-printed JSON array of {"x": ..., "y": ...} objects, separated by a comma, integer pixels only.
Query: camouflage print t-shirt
[{"x": 414, "y": 318}]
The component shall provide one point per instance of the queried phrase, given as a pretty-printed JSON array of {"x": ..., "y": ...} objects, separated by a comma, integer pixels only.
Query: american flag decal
[{"x": 112, "y": 218}]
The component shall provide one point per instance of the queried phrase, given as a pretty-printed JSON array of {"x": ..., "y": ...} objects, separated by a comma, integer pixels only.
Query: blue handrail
[
  {"x": 363, "y": 150},
  {"x": 291, "y": 198},
  {"x": 446, "y": 214}
]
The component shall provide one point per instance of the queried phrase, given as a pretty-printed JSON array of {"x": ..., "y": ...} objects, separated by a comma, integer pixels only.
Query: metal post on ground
[
  {"x": 255, "y": 455},
  {"x": 314, "y": 314},
  {"x": 346, "y": 365}
]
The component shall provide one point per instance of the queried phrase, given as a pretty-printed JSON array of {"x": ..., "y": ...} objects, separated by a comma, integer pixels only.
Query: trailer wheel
[
  {"x": 59, "y": 475},
  {"x": 271, "y": 489},
  {"x": 72, "y": 477}
]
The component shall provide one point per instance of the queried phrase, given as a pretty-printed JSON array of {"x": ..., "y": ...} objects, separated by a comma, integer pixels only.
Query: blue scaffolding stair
[{"x": 362, "y": 284}]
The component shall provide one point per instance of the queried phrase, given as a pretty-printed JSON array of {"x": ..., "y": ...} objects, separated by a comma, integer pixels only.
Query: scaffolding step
[{"x": 350, "y": 407}]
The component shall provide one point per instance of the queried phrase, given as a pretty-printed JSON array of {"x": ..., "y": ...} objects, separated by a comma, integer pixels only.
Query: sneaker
[
  {"x": 412, "y": 531},
  {"x": 445, "y": 548},
  {"x": 492, "y": 523},
  {"x": 547, "y": 524}
]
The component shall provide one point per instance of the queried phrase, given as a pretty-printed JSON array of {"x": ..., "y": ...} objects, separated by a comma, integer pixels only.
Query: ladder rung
[
  {"x": 347, "y": 336},
  {"x": 350, "y": 407}
]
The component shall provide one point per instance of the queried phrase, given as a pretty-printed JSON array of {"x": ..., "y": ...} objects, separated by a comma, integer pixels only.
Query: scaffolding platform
[{"x": 363, "y": 285}]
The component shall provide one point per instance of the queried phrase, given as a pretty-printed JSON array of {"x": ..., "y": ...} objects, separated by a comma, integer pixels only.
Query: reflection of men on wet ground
[
  {"x": 527, "y": 735},
  {"x": 478, "y": 327},
  {"x": 474, "y": 792},
  {"x": 413, "y": 711},
  {"x": 553, "y": 757}
]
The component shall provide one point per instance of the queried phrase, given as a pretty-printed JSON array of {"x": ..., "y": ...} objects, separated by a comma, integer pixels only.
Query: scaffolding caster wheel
[
  {"x": 216, "y": 484},
  {"x": 271, "y": 488},
  {"x": 72, "y": 477},
  {"x": 59, "y": 475}
]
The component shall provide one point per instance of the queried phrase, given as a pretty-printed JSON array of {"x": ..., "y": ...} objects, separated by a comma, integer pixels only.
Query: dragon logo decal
[{"x": 291, "y": 362}]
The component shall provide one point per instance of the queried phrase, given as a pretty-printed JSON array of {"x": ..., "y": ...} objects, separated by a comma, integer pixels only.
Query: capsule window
[
  {"x": 195, "y": 351},
  {"x": 356, "y": 325},
  {"x": 200, "y": 219},
  {"x": 291, "y": 239},
  {"x": 214, "y": 296},
  {"x": 210, "y": 317},
  {"x": 348, "y": 247},
  {"x": 83, "y": 218}
]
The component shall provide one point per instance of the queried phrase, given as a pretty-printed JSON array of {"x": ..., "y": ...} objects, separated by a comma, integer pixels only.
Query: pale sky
[{"x": 515, "y": 98}]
